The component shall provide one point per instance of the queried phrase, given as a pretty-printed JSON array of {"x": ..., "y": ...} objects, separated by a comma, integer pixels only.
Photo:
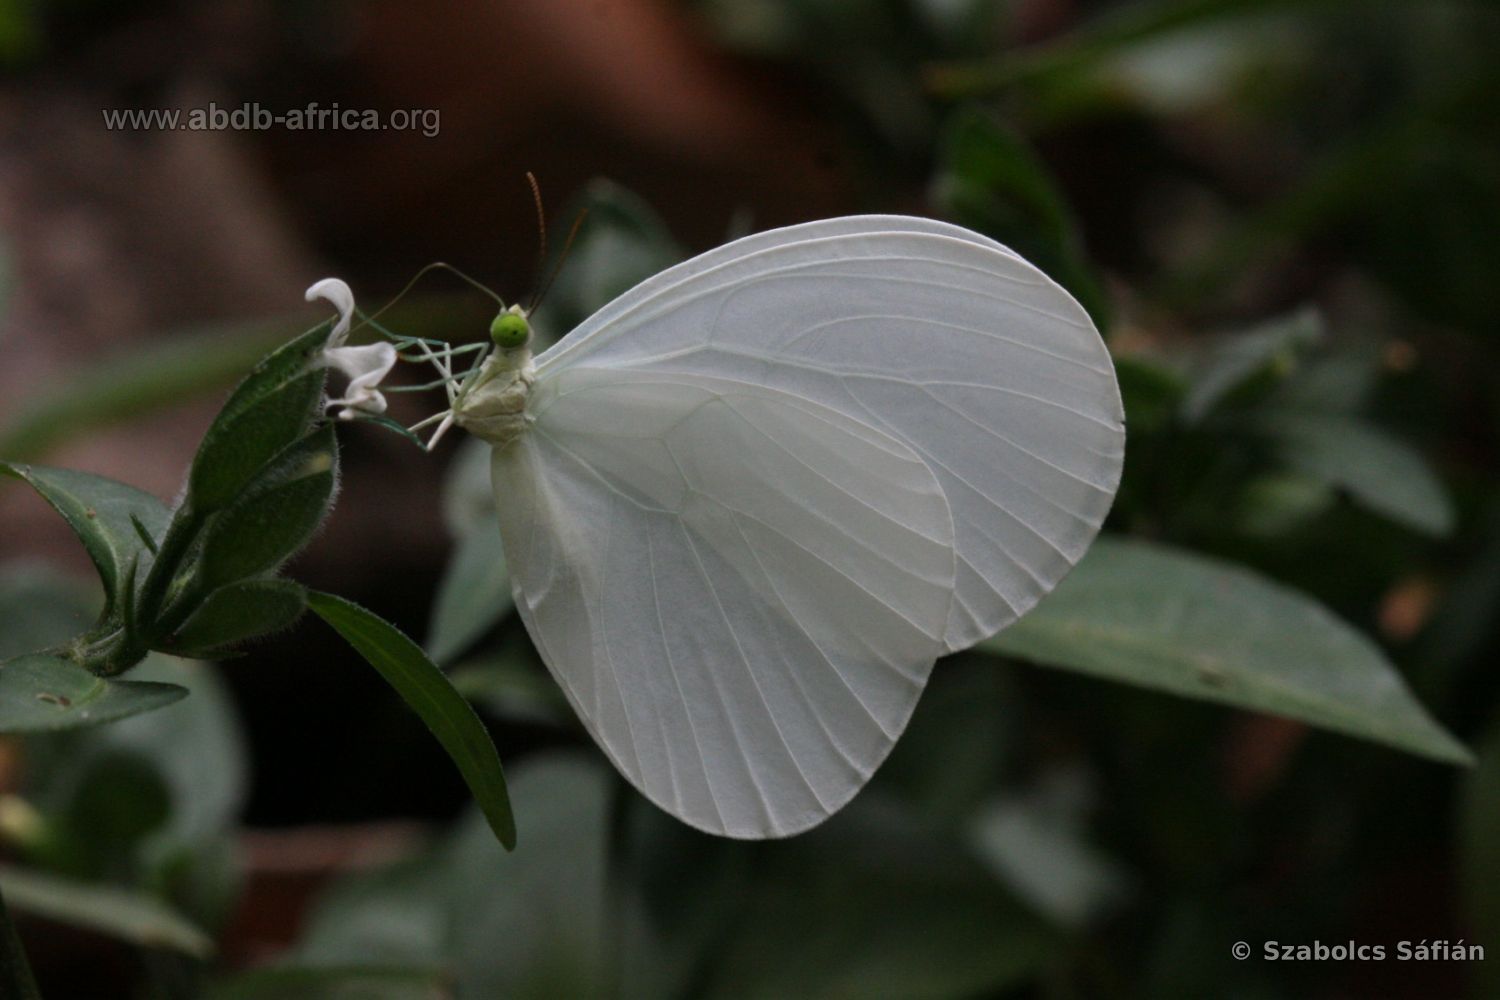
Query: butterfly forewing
[{"x": 950, "y": 343}]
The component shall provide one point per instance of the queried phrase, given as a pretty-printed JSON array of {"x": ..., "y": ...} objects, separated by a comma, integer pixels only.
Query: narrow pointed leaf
[
  {"x": 1379, "y": 471},
  {"x": 1231, "y": 363},
  {"x": 381, "y": 420},
  {"x": 240, "y": 611},
  {"x": 430, "y": 694},
  {"x": 107, "y": 516},
  {"x": 40, "y": 692},
  {"x": 272, "y": 407},
  {"x": 121, "y": 913},
  {"x": 1159, "y": 618},
  {"x": 285, "y": 505},
  {"x": 235, "y": 449}
]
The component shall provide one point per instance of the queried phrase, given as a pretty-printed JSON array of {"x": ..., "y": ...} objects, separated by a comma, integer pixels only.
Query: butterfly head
[{"x": 511, "y": 329}]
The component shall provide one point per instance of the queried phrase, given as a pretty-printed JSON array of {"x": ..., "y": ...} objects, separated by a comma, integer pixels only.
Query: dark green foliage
[
  {"x": 241, "y": 442},
  {"x": 276, "y": 513},
  {"x": 274, "y": 404},
  {"x": 431, "y": 695},
  {"x": 237, "y": 612},
  {"x": 107, "y": 517},
  {"x": 261, "y": 484}
]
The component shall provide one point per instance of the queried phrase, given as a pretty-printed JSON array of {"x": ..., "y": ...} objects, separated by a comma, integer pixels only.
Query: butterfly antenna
[
  {"x": 536, "y": 299},
  {"x": 541, "y": 236},
  {"x": 436, "y": 265}
]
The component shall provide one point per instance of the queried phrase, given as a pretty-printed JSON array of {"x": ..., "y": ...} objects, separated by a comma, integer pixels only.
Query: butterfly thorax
[{"x": 494, "y": 407}]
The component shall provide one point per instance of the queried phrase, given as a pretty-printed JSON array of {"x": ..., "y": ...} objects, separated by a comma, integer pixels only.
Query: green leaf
[
  {"x": 990, "y": 180},
  {"x": 42, "y": 608},
  {"x": 1036, "y": 841},
  {"x": 535, "y": 923},
  {"x": 468, "y": 494},
  {"x": 272, "y": 407},
  {"x": 342, "y": 983},
  {"x": 530, "y": 924},
  {"x": 1230, "y": 364},
  {"x": 428, "y": 692},
  {"x": 1379, "y": 471},
  {"x": 244, "y": 455},
  {"x": 276, "y": 517},
  {"x": 237, "y": 612},
  {"x": 1119, "y": 29},
  {"x": 16, "y": 980},
  {"x": 197, "y": 746},
  {"x": 40, "y": 692},
  {"x": 874, "y": 905},
  {"x": 381, "y": 420},
  {"x": 1160, "y": 618},
  {"x": 120, "y": 799},
  {"x": 129, "y": 916},
  {"x": 103, "y": 514},
  {"x": 510, "y": 684},
  {"x": 1331, "y": 383},
  {"x": 394, "y": 915},
  {"x": 249, "y": 434},
  {"x": 1279, "y": 503},
  {"x": 474, "y": 594}
]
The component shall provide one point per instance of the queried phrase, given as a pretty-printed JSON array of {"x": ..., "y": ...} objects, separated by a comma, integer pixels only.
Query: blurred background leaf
[
  {"x": 1383, "y": 473},
  {"x": 1147, "y": 615},
  {"x": 131, "y": 916}
]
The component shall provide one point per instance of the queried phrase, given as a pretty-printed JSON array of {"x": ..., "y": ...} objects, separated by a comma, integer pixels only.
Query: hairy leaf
[{"x": 430, "y": 694}]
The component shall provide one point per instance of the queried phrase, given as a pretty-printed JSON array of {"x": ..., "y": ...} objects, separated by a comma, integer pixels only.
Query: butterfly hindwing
[{"x": 742, "y": 592}]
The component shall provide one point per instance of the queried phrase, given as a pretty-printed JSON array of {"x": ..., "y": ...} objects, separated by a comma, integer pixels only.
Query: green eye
[{"x": 510, "y": 330}]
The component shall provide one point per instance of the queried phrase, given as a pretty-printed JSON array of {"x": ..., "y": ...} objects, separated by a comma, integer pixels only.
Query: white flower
[
  {"x": 337, "y": 294},
  {"x": 365, "y": 365}
]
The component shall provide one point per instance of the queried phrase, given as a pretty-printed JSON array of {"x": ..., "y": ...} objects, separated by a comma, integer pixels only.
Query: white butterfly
[{"x": 747, "y": 504}]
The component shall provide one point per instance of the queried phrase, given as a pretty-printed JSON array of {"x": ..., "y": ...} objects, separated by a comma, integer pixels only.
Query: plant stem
[{"x": 181, "y": 534}]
